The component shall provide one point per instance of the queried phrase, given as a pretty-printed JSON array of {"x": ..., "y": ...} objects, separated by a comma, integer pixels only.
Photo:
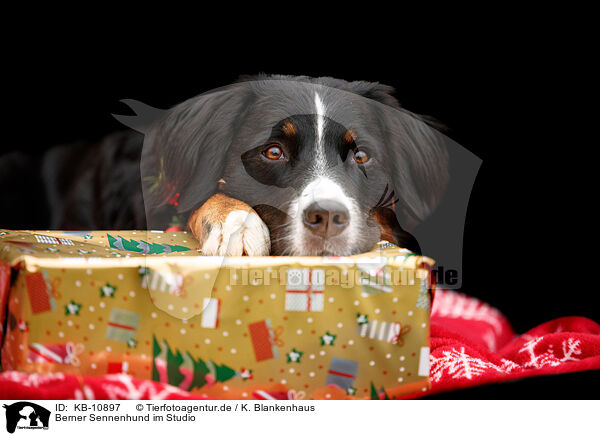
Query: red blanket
[{"x": 471, "y": 344}]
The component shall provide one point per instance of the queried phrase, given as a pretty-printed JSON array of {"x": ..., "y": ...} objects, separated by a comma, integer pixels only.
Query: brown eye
[
  {"x": 274, "y": 153},
  {"x": 361, "y": 157}
]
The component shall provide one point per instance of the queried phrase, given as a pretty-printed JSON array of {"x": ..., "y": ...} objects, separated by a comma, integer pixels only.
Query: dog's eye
[
  {"x": 361, "y": 157},
  {"x": 274, "y": 152}
]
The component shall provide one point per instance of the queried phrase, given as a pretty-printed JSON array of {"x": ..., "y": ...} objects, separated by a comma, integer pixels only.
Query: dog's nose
[{"x": 326, "y": 218}]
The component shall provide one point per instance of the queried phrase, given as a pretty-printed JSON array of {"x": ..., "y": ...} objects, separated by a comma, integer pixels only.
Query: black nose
[{"x": 326, "y": 218}]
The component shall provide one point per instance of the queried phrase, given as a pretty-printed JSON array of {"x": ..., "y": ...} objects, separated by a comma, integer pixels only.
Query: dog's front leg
[{"x": 229, "y": 227}]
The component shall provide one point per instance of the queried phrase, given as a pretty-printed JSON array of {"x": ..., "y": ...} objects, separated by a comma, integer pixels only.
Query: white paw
[{"x": 241, "y": 233}]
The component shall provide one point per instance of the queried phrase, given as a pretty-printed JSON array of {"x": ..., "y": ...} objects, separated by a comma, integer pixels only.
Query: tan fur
[
  {"x": 212, "y": 213},
  {"x": 288, "y": 128},
  {"x": 350, "y": 136},
  {"x": 387, "y": 232}
]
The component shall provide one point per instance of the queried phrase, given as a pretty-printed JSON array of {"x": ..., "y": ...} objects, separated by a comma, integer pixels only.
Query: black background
[{"x": 516, "y": 105}]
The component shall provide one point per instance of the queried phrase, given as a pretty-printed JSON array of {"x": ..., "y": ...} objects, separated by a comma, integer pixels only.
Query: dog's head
[{"x": 330, "y": 166}]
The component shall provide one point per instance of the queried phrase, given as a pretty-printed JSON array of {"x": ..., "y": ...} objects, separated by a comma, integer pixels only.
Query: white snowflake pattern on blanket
[
  {"x": 570, "y": 348},
  {"x": 458, "y": 364}
]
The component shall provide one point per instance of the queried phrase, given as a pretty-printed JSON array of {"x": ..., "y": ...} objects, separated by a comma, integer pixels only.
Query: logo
[{"x": 26, "y": 415}]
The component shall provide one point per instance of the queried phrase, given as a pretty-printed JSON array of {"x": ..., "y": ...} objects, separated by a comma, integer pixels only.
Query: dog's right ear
[
  {"x": 184, "y": 151},
  {"x": 145, "y": 116}
]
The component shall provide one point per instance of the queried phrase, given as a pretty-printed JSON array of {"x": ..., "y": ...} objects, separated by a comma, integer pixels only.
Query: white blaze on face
[
  {"x": 322, "y": 189},
  {"x": 320, "y": 152},
  {"x": 320, "y": 108}
]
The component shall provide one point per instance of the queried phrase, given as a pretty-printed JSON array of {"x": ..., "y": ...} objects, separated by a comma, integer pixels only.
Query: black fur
[{"x": 78, "y": 186}]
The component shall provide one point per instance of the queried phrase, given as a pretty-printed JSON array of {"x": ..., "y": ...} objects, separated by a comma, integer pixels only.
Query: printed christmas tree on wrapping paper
[
  {"x": 156, "y": 350},
  {"x": 220, "y": 373},
  {"x": 203, "y": 371},
  {"x": 382, "y": 395},
  {"x": 139, "y": 246},
  {"x": 174, "y": 361}
]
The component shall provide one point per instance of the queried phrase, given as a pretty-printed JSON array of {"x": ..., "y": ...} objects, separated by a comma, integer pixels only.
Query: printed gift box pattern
[
  {"x": 264, "y": 340},
  {"x": 40, "y": 292},
  {"x": 65, "y": 353},
  {"x": 319, "y": 329},
  {"x": 210, "y": 313},
  {"x": 305, "y": 290},
  {"x": 122, "y": 325},
  {"x": 342, "y": 373}
]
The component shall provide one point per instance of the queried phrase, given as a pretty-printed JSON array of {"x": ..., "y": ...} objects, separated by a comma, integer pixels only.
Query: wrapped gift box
[{"x": 148, "y": 304}]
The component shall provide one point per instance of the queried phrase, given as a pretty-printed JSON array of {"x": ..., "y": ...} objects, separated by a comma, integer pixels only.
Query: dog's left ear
[{"x": 184, "y": 152}]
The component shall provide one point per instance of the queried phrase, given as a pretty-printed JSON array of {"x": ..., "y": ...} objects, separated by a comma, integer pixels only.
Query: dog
[{"x": 271, "y": 165}]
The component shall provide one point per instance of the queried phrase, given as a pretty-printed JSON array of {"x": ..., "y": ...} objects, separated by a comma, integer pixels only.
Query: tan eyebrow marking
[
  {"x": 350, "y": 135},
  {"x": 288, "y": 128}
]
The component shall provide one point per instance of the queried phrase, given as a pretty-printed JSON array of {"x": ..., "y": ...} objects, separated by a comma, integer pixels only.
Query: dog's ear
[
  {"x": 145, "y": 116},
  {"x": 184, "y": 153},
  {"x": 416, "y": 159},
  {"x": 416, "y": 163},
  {"x": 431, "y": 176}
]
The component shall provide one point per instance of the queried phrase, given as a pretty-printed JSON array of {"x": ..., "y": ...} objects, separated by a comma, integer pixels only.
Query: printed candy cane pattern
[{"x": 305, "y": 290}]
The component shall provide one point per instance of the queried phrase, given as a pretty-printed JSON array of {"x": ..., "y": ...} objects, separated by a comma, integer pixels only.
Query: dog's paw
[
  {"x": 242, "y": 233},
  {"x": 228, "y": 227}
]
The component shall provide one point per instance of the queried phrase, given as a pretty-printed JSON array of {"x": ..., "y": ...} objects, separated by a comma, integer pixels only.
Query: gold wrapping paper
[{"x": 149, "y": 304}]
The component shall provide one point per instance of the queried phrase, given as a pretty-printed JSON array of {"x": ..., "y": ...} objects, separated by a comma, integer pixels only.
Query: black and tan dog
[{"x": 270, "y": 165}]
